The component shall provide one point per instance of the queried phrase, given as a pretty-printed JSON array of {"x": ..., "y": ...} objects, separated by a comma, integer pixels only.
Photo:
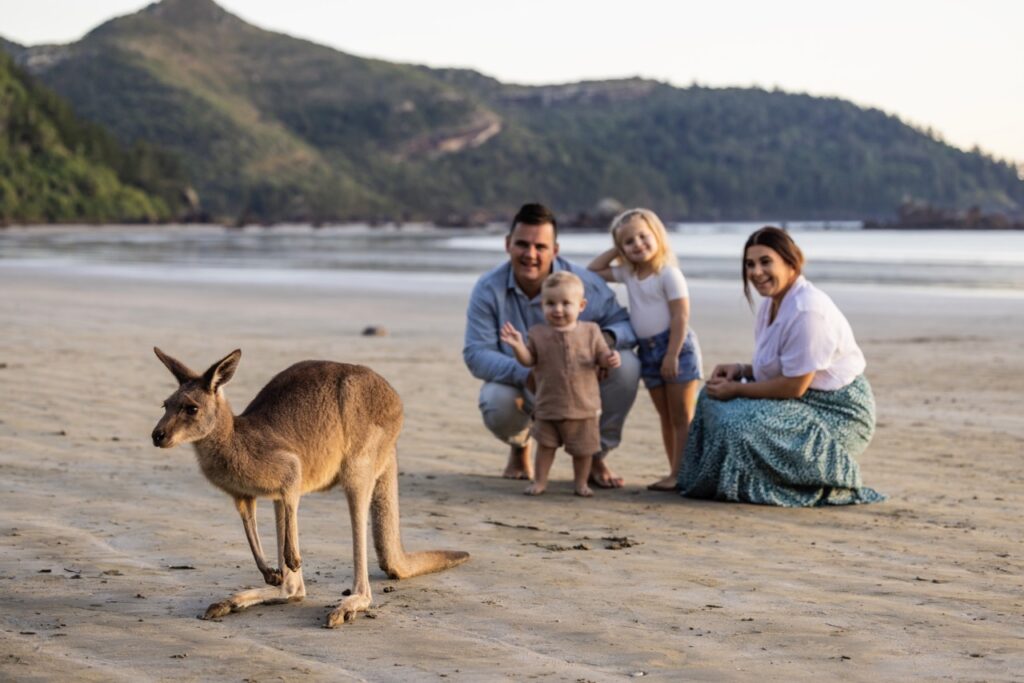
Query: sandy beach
[{"x": 111, "y": 547}]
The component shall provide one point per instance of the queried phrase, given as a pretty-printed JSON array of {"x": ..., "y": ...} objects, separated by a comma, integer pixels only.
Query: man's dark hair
[{"x": 534, "y": 214}]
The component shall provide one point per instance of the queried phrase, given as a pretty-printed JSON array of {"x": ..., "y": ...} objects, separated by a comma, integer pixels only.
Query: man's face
[{"x": 531, "y": 249}]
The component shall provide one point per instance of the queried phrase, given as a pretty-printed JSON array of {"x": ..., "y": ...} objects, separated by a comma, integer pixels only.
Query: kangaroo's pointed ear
[
  {"x": 181, "y": 372},
  {"x": 221, "y": 371}
]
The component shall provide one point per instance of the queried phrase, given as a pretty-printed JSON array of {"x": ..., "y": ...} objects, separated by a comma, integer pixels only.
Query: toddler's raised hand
[{"x": 510, "y": 335}]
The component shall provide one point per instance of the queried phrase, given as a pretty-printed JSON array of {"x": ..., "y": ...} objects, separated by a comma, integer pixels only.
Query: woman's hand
[
  {"x": 722, "y": 389},
  {"x": 670, "y": 367},
  {"x": 730, "y": 371},
  {"x": 778, "y": 387}
]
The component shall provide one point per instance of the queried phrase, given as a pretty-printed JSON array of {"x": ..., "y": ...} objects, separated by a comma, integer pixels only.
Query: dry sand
[{"x": 95, "y": 520}]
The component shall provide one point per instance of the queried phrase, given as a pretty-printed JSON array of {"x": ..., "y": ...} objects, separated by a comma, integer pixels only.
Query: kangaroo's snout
[{"x": 158, "y": 437}]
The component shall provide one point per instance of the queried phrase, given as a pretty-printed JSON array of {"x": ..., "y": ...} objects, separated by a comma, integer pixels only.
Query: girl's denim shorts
[{"x": 652, "y": 352}]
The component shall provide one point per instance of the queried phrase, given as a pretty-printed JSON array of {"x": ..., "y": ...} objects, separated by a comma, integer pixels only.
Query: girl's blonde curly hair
[{"x": 664, "y": 255}]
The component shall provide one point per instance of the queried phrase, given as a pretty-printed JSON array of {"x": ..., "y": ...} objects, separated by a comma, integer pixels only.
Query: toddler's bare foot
[
  {"x": 534, "y": 489},
  {"x": 584, "y": 491},
  {"x": 520, "y": 465},
  {"x": 664, "y": 484}
]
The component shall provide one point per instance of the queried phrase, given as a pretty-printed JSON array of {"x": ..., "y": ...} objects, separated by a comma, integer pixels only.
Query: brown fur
[{"x": 314, "y": 426}]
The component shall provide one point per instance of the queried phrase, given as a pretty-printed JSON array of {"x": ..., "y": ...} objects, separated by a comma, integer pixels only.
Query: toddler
[{"x": 565, "y": 355}]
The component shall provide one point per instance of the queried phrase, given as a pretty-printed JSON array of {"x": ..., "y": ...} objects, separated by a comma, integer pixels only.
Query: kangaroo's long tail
[{"x": 387, "y": 535}]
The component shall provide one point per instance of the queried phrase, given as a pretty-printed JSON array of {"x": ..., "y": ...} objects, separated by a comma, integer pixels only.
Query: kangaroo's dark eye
[{"x": 192, "y": 410}]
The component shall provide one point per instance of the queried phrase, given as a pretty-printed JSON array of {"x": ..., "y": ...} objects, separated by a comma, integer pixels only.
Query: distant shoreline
[
  {"x": 912, "y": 215},
  {"x": 869, "y": 224},
  {"x": 922, "y": 228}
]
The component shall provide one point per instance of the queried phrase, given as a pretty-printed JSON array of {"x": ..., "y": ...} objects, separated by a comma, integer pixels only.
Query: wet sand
[{"x": 96, "y": 523}]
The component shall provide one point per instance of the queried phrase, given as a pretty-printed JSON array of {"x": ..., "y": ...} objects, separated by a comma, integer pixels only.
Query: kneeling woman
[{"x": 785, "y": 430}]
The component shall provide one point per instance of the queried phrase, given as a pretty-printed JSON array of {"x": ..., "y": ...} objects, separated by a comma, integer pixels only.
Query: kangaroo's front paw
[
  {"x": 293, "y": 560},
  {"x": 218, "y": 609},
  {"x": 347, "y": 611},
  {"x": 273, "y": 577}
]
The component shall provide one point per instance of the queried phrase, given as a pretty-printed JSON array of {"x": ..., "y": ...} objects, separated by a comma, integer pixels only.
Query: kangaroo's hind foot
[
  {"x": 290, "y": 589},
  {"x": 349, "y": 608}
]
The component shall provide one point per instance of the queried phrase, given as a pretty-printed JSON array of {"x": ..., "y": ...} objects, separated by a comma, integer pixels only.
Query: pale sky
[{"x": 956, "y": 66}]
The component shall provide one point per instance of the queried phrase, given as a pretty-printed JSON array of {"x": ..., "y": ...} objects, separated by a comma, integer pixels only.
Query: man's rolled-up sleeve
[{"x": 481, "y": 350}]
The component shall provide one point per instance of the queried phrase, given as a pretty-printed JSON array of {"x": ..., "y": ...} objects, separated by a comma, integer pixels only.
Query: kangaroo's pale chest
[{"x": 235, "y": 476}]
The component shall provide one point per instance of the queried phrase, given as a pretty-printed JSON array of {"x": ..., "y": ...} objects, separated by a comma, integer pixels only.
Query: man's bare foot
[
  {"x": 520, "y": 465},
  {"x": 602, "y": 476},
  {"x": 534, "y": 489},
  {"x": 584, "y": 491},
  {"x": 664, "y": 484}
]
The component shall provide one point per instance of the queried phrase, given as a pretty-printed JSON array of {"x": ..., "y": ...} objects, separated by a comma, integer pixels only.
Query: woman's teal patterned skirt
[{"x": 789, "y": 452}]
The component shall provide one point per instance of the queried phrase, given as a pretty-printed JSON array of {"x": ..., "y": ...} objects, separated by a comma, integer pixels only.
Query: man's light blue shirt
[{"x": 497, "y": 298}]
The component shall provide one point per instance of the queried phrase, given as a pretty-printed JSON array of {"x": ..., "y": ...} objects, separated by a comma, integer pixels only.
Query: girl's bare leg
[
  {"x": 541, "y": 469},
  {"x": 581, "y": 474},
  {"x": 682, "y": 402},
  {"x": 660, "y": 399},
  {"x": 677, "y": 405}
]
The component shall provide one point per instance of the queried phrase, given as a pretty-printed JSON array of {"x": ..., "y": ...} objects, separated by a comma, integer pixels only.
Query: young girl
[{"x": 659, "y": 309}]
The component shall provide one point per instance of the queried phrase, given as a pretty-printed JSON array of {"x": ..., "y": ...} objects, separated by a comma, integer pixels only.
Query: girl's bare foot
[
  {"x": 664, "y": 484},
  {"x": 583, "y": 491},
  {"x": 534, "y": 489}
]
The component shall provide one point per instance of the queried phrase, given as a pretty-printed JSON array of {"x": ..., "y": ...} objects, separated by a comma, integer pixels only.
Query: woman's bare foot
[
  {"x": 520, "y": 465},
  {"x": 664, "y": 484},
  {"x": 583, "y": 491},
  {"x": 534, "y": 489},
  {"x": 602, "y": 476}
]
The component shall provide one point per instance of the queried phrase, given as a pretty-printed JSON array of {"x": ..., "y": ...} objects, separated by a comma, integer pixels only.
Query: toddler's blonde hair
[
  {"x": 561, "y": 278},
  {"x": 663, "y": 256}
]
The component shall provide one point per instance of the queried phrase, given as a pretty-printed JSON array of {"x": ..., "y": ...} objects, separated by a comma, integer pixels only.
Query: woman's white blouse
[
  {"x": 648, "y": 298},
  {"x": 809, "y": 334}
]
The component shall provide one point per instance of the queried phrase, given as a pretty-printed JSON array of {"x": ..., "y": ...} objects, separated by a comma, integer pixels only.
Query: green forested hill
[
  {"x": 13, "y": 49},
  {"x": 269, "y": 126},
  {"x": 275, "y": 128},
  {"x": 54, "y": 168},
  {"x": 743, "y": 152}
]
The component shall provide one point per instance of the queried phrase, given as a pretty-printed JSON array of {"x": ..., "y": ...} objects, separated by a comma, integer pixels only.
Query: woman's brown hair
[{"x": 779, "y": 241}]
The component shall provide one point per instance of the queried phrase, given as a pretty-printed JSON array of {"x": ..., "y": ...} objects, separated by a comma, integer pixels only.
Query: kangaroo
[{"x": 314, "y": 426}]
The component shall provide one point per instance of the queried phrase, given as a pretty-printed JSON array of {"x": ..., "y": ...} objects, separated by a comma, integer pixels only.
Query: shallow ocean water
[{"x": 417, "y": 255}]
